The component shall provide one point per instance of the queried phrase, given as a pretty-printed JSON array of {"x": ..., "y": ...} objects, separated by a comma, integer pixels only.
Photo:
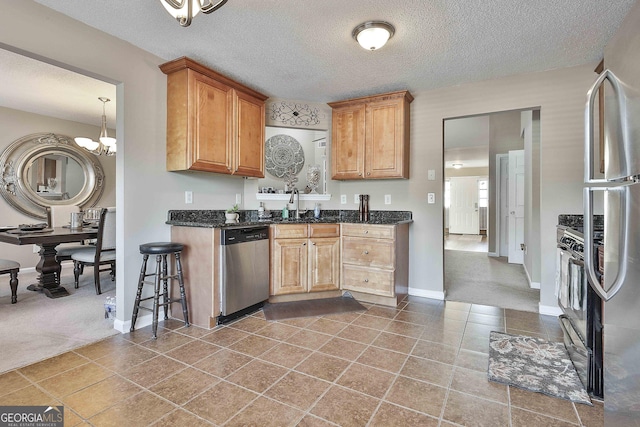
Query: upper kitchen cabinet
[
  {"x": 214, "y": 124},
  {"x": 370, "y": 137}
]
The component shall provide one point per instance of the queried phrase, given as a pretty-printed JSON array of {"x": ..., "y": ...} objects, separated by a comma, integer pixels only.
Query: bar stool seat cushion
[
  {"x": 159, "y": 248},
  {"x": 7, "y": 265}
]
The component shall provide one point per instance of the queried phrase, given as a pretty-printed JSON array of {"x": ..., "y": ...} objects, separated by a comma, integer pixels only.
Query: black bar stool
[{"x": 160, "y": 250}]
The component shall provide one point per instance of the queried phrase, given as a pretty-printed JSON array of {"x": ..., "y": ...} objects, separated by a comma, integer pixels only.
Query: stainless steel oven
[{"x": 581, "y": 320}]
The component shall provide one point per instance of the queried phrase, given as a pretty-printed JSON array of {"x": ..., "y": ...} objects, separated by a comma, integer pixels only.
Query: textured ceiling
[{"x": 303, "y": 49}]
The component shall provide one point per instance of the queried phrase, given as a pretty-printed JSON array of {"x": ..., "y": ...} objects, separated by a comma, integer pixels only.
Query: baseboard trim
[
  {"x": 550, "y": 310},
  {"x": 427, "y": 294},
  {"x": 125, "y": 326},
  {"x": 532, "y": 285},
  {"x": 493, "y": 254}
]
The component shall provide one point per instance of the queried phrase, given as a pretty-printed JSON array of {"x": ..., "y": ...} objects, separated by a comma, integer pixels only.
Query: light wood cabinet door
[
  {"x": 211, "y": 145},
  {"x": 289, "y": 266},
  {"x": 347, "y": 142},
  {"x": 387, "y": 143},
  {"x": 250, "y": 119},
  {"x": 324, "y": 264}
]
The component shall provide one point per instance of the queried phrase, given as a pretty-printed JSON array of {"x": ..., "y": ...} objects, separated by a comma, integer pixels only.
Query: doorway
[
  {"x": 41, "y": 97},
  {"x": 477, "y": 208}
]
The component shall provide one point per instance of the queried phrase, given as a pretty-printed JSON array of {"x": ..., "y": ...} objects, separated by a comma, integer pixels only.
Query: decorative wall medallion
[
  {"x": 283, "y": 153},
  {"x": 294, "y": 114}
]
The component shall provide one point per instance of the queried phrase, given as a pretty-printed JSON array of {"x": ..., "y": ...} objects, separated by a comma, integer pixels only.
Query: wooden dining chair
[{"x": 103, "y": 253}]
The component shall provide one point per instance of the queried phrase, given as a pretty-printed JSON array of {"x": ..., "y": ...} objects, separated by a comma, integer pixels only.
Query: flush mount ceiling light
[
  {"x": 457, "y": 165},
  {"x": 185, "y": 10},
  {"x": 105, "y": 144},
  {"x": 372, "y": 35}
]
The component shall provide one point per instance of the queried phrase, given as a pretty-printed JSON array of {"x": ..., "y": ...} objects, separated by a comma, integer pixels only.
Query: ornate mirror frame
[{"x": 17, "y": 158}]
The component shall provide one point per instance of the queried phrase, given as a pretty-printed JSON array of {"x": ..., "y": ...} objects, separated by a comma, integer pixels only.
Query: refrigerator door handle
[
  {"x": 606, "y": 295},
  {"x": 589, "y": 122}
]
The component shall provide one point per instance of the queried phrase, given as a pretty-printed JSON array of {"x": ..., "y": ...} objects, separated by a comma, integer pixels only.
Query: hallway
[{"x": 474, "y": 277}]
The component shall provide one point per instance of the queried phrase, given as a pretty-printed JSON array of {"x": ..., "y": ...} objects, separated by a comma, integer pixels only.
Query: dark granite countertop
[
  {"x": 575, "y": 221},
  {"x": 216, "y": 218}
]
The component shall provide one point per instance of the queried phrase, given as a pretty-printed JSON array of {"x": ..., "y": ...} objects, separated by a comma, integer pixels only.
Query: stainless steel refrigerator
[{"x": 618, "y": 188}]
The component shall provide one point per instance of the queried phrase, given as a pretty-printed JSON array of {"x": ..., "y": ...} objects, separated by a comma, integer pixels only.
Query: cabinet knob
[
  {"x": 366, "y": 280},
  {"x": 366, "y": 252},
  {"x": 368, "y": 173},
  {"x": 304, "y": 244},
  {"x": 313, "y": 243},
  {"x": 360, "y": 174},
  {"x": 366, "y": 231}
]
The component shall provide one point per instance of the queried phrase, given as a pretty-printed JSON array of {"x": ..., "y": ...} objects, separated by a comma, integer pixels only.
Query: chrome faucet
[{"x": 293, "y": 193}]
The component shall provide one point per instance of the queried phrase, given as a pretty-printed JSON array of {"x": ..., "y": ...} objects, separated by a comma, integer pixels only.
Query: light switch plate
[
  {"x": 431, "y": 198},
  {"x": 238, "y": 198},
  {"x": 387, "y": 199},
  {"x": 343, "y": 199},
  {"x": 188, "y": 197},
  {"x": 431, "y": 175},
  {"x": 356, "y": 198}
]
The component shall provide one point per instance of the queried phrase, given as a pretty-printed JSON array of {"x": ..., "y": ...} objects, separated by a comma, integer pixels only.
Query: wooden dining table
[{"x": 48, "y": 267}]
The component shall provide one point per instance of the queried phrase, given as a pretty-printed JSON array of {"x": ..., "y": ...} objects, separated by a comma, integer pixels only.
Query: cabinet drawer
[
  {"x": 289, "y": 231},
  {"x": 368, "y": 252},
  {"x": 369, "y": 230},
  {"x": 324, "y": 230},
  {"x": 369, "y": 280}
]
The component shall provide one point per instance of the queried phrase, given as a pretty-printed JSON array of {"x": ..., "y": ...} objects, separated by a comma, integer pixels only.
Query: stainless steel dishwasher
[{"x": 244, "y": 270}]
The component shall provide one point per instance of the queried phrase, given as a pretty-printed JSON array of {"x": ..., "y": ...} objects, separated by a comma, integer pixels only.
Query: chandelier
[
  {"x": 105, "y": 144},
  {"x": 185, "y": 10}
]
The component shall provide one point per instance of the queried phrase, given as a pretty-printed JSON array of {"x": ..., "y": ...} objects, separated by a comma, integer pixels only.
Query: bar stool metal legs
[{"x": 161, "y": 275}]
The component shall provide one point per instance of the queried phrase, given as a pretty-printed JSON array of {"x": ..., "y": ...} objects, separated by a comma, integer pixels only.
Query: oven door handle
[{"x": 606, "y": 295}]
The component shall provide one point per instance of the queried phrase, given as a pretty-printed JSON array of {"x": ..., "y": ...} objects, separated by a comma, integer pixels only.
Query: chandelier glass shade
[
  {"x": 105, "y": 145},
  {"x": 372, "y": 35},
  {"x": 185, "y": 10}
]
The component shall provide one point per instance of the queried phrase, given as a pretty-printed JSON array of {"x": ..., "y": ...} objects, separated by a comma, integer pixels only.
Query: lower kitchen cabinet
[
  {"x": 304, "y": 258},
  {"x": 375, "y": 262},
  {"x": 201, "y": 266}
]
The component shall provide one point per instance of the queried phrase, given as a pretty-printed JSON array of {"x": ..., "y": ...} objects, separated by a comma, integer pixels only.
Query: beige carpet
[
  {"x": 38, "y": 327},
  {"x": 476, "y": 278}
]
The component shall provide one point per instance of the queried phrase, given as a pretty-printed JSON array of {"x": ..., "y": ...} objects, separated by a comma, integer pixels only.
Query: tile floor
[{"x": 421, "y": 364}]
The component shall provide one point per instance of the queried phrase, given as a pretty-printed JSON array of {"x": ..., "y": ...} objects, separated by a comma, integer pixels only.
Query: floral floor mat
[{"x": 536, "y": 365}]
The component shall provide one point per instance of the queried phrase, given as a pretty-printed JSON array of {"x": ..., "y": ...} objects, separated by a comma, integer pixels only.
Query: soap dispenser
[
  {"x": 285, "y": 212},
  {"x": 316, "y": 211}
]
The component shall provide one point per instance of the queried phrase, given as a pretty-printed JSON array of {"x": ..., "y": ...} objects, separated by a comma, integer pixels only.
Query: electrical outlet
[
  {"x": 238, "y": 198},
  {"x": 431, "y": 198},
  {"x": 431, "y": 175},
  {"x": 387, "y": 199},
  {"x": 356, "y": 198},
  {"x": 343, "y": 199},
  {"x": 188, "y": 197}
]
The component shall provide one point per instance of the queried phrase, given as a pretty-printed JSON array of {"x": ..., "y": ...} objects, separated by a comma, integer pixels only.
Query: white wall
[{"x": 15, "y": 124}]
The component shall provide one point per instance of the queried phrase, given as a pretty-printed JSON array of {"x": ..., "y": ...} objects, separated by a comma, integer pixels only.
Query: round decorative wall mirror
[{"x": 46, "y": 169}]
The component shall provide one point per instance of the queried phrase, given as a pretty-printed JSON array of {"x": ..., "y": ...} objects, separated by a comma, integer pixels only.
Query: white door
[
  {"x": 463, "y": 208},
  {"x": 516, "y": 206}
]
